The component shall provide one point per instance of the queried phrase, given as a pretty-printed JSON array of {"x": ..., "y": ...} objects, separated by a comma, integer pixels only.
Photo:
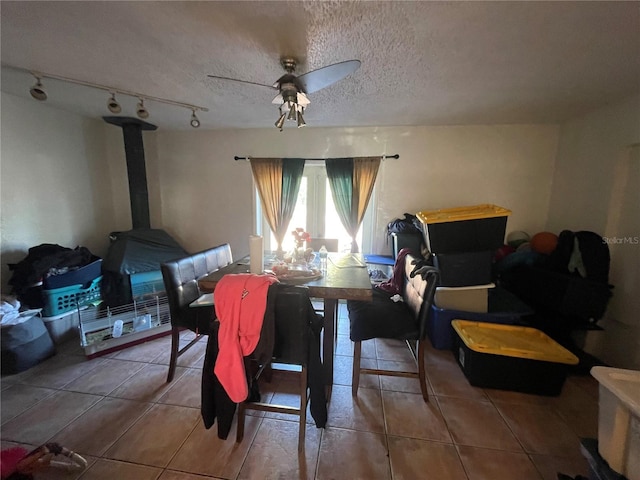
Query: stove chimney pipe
[{"x": 134, "y": 150}]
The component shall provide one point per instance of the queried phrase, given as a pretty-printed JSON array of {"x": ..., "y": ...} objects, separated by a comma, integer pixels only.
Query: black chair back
[
  {"x": 181, "y": 283},
  {"x": 420, "y": 284},
  {"x": 291, "y": 324}
]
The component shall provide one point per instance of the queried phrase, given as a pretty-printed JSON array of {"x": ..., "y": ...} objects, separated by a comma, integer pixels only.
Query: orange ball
[{"x": 544, "y": 242}]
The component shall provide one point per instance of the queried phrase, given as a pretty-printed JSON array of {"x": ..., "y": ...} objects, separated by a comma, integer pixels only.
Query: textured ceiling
[{"x": 423, "y": 63}]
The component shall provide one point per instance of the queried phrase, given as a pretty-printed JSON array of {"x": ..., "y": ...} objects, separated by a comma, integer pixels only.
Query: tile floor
[{"x": 119, "y": 413}]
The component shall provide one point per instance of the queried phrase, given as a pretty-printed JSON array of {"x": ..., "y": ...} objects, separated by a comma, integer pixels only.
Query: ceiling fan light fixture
[
  {"x": 280, "y": 123},
  {"x": 293, "y": 113},
  {"x": 195, "y": 122},
  {"x": 301, "y": 122},
  {"x": 37, "y": 91},
  {"x": 113, "y": 105},
  {"x": 141, "y": 111}
]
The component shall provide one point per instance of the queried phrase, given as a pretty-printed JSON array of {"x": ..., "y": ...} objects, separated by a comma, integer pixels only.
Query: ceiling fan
[{"x": 293, "y": 90}]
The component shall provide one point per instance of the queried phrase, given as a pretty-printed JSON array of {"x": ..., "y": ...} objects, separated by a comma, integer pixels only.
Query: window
[{"x": 316, "y": 213}]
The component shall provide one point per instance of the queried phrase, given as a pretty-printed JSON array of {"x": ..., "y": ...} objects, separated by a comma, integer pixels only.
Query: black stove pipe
[{"x": 134, "y": 150}]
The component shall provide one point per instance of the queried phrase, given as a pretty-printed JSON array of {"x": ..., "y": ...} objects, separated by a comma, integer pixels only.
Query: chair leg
[
  {"x": 240, "y": 426},
  {"x": 355, "y": 377},
  {"x": 303, "y": 408},
  {"x": 175, "y": 346},
  {"x": 422, "y": 372}
]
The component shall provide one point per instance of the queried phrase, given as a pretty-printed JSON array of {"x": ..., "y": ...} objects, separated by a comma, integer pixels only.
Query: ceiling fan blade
[
  {"x": 323, "y": 77},
  {"x": 243, "y": 81}
]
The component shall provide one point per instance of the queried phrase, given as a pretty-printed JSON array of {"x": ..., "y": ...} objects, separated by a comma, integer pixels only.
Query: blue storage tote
[
  {"x": 146, "y": 284},
  {"x": 78, "y": 276},
  {"x": 504, "y": 308},
  {"x": 62, "y": 300}
]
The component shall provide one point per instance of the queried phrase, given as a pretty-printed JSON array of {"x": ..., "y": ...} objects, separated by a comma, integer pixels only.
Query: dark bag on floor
[{"x": 25, "y": 345}]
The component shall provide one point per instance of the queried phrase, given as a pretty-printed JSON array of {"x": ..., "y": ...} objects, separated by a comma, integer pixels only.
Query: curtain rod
[{"x": 396, "y": 156}]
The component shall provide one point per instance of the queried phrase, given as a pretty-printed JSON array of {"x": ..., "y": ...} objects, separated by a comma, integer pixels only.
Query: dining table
[{"x": 344, "y": 277}]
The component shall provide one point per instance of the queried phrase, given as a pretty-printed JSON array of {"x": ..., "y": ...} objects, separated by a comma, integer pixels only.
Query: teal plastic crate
[{"x": 66, "y": 299}]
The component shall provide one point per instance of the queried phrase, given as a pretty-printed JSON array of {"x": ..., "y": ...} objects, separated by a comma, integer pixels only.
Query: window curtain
[
  {"x": 278, "y": 182},
  {"x": 351, "y": 181}
]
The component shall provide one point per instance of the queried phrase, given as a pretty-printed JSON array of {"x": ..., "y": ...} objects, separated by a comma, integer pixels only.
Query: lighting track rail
[{"x": 39, "y": 93}]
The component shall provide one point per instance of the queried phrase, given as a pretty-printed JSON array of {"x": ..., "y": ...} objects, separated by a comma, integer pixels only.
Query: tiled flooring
[{"x": 118, "y": 413}]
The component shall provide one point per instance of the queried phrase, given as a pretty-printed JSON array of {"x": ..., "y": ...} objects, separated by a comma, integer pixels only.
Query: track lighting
[
  {"x": 195, "y": 123},
  {"x": 141, "y": 111},
  {"x": 113, "y": 105},
  {"x": 37, "y": 91}
]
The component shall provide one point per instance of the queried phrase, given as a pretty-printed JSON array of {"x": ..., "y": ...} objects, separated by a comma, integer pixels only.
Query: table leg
[{"x": 328, "y": 339}]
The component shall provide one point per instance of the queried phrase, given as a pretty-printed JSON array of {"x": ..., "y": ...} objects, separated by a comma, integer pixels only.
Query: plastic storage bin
[
  {"x": 619, "y": 419},
  {"x": 474, "y": 298},
  {"x": 507, "y": 357},
  {"x": 146, "y": 284},
  {"x": 63, "y": 327},
  {"x": 464, "y": 229},
  {"x": 504, "y": 308},
  {"x": 464, "y": 269},
  {"x": 79, "y": 276},
  {"x": 412, "y": 241},
  {"x": 66, "y": 299},
  {"x": 598, "y": 468}
]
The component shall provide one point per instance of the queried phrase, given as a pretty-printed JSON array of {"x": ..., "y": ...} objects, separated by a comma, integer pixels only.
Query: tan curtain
[
  {"x": 365, "y": 171},
  {"x": 278, "y": 182},
  {"x": 267, "y": 173}
]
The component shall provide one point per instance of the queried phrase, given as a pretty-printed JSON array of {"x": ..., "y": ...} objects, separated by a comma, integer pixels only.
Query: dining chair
[
  {"x": 404, "y": 320},
  {"x": 180, "y": 278},
  {"x": 331, "y": 244},
  {"x": 297, "y": 345}
]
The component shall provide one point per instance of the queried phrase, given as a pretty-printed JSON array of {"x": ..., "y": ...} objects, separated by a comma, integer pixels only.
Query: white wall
[
  {"x": 202, "y": 197},
  {"x": 206, "y": 195},
  {"x": 55, "y": 181},
  {"x": 597, "y": 187}
]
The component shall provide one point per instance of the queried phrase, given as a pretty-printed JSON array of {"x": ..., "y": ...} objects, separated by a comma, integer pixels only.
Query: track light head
[
  {"x": 37, "y": 91},
  {"x": 195, "y": 123},
  {"x": 141, "y": 111},
  {"x": 113, "y": 105}
]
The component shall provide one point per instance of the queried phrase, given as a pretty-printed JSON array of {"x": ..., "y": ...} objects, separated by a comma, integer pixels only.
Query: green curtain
[
  {"x": 351, "y": 181},
  {"x": 292, "y": 169},
  {"x": 340, "y": 175}
]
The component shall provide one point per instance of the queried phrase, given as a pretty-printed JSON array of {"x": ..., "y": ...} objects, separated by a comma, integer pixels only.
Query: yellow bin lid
[
  {"x": 512, "y": 341},
  {"x": 459, "y": 214}
]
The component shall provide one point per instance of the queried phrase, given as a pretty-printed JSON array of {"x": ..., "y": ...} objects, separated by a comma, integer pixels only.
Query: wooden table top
[{"x": 346, "y": 278}]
